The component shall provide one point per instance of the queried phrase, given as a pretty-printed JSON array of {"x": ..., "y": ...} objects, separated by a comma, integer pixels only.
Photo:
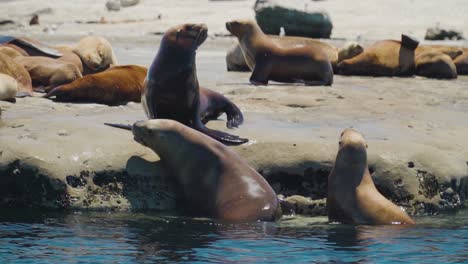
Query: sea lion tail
[
  {"x": 225, "y": 138},
  {"x": 409, "y": 42},
  {"x": 122, "y": 126}
]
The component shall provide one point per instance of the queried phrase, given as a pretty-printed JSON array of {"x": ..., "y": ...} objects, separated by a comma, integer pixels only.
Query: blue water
[{"x": 149, "y": 238}]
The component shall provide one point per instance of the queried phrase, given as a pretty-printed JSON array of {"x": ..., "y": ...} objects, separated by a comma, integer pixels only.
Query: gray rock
[
  {"x": 113, "y": 5},
  {"x": 127, "y": 3},
  {"x": 235, "y": 60},
  {"x": 436, "y": 33}
]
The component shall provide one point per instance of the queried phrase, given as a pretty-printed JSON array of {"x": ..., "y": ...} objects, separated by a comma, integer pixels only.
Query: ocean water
[{"x": 38, "y": 237}]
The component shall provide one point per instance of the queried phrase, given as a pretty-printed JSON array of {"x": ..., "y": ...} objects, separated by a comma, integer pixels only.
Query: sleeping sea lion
[
  {"x": 8, "y": 88},
  {"x": 96, "y": 53},
  {"x": 215, "y": 181},
  {"x": 12, "y": 68},
  {"x": 171, "y": 88},
  {"x": 461, "y": 62},
  {"x": 118, "y": 85},
  {"x": 451, "y": 51},
  {"x": 30, "y": 47},
  {"x": 383, "y": 58},
  {"x": 352, "y": 195},
  {"x": 288, "y": 63},
  {"x": 435, "y": 64}
]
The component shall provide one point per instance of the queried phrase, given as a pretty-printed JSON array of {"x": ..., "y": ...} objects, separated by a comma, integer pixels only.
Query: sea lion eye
[{"x": 340, "y": 143}]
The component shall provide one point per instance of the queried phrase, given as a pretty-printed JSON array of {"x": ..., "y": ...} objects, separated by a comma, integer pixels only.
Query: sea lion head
[
  {"x": 241, "y": 27},
  {"x": 96, "y": 53},
  {"x": 350, "y": 50},
  {"x": 189, "y": 36},
  {"x": 352, "y": 148}
]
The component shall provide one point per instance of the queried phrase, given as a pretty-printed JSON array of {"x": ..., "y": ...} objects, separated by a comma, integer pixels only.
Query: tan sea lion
[
  {"x": 70, "y": 57},
  {"x": 352, "y": 195},
  {"x": 96, "y": 53},
  {"x": 383, "y": 58},
  {"x": 172, "y": 90},
  {"x": 215, "y": 181},
  {"x": 8, "y": 88},
  {"x": 118, "y": 85},
  {"x": 461, "y": 62},
  {"x": 47, "y": 72},
  {"x": 12, "y": 68},
  {"x": 10, "y": 52},
  {"x": 435, "y": 64},
  {"x": 451, "y": 51},
  {"x": 269, "y": 61}
]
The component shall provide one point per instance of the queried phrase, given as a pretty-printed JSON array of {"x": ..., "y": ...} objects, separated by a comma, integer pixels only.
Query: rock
[
  {"x": 294, "y": 17},
  {"x": 306, "y": 206},
  {"x": 127, "y": 3},
  {"x": 437, "y": 33},
  {"x": 235, "y": 60},
  {"x": 34, "y": 20},
  {"x": 113, "y": 5}
]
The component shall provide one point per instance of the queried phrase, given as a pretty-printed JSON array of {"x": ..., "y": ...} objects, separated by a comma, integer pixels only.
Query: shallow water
[{"x": 136, "y": 238}]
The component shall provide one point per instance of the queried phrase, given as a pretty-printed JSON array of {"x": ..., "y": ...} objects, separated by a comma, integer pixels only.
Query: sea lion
[
  {"x": 171, "y": 89},
  {"x": 10, "y": 52},
  {"x": 8, "y": 88},
  {"x": 235, "y": 60},
  {"x": 12, "y": 68},
  {"x": 96, "y": 53},
  {"x": 352, "y": 195},
  {"x": 435, "y": 64},
  {"x": 461, "y": 62},
  {"x": 70, "y": 57},
  {"x": 47, "y": 72},
  {"x": 30, "y": 47},
  {"x": 118, "y": 85},
  {"x": 269, "y": 61},
  {"x": 383, "y": 58},
  {"x": 451, "y": 51},
  {"x": 215, "y": 181}
]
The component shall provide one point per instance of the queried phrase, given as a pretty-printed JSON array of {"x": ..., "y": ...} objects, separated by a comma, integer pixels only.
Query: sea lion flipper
[
  {"x": 409, "y": 42},
  {"x": 122, "y": 126},
  {"x": 235, "y": 118},
  {"x": 223, "y": 137},
  {"x": 260, "y": 71}
]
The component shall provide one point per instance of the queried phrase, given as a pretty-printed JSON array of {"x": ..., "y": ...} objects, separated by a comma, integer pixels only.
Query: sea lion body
[
  {"x": 30, "y": 47},
  {"x": 434, "y": 64},
  {"x": 451, "y": 51},
  {"x": 461, "y": 62},
  {"x": 49, "y": 72},
  {"x": 8, "y": 88},
  {"x": 352, "y": 195},
  {"x": 70, "y": 57},
  {"x": 118, "y": 85},
  {"x": 383, "y": 58},
  {"x": 12, "y": 68},
  {"x": 215, "y": 181},
  {"x": 171, "y": 89},
  {"x": 269, "y": 61}
]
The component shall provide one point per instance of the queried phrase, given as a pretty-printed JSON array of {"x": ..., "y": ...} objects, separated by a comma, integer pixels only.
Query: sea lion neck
[{"x": 351, "y": 166}]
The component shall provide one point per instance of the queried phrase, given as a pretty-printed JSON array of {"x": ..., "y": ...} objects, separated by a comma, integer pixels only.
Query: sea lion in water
[
  {"x": 12, "y": 68},
  {"x": 269, "y": 61},
  {"x": 171, "y": 88},
  {"x": 215, "y": 181},
  {"x": 434, "y": 64},
  {"x": 352, "y": 195},
  {"x": 47, "y": 72},
  {"x": 118, "y": 85},
  {"x": 8, "y": 88},
  {"x": 461, "y": 62},
  {"x": 383, "y": 58}
]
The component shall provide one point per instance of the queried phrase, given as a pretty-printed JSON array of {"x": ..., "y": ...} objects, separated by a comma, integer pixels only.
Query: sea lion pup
[
  {"x": 352, "y": 195},
  {"x": 269, "y": 61},
  {"x": 8, "y": 88},
  {"x": 12, "y": 68},
  {"x": 461, "y": 62},
  {"x": 27, "y": 46},
  {"x": 434, "y": 64},
  {"x": 215, "y": 181},
  {"x": 47, "y": 72},
  {"x": 118, "y": 85},
  {"x": 96, "y": 53},
  {"x": 383, "y": 58},
  {"x": 171, "y": 88}
]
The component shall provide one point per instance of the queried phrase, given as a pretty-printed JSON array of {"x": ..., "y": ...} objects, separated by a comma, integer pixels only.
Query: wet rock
[
  {"x": 305, "y": 206},
  {"x": 294, "y": 18},
  {"x": 437, "y": 33}
]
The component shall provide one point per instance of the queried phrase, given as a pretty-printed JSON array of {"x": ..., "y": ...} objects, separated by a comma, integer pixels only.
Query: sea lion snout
[{"x": 351, "y": 138}]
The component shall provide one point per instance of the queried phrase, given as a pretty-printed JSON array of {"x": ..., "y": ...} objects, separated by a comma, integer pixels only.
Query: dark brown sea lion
[
  {"x": 461, "y": 62},
  {"x": 435, "y": 64},
  {"x": 118, "y": 85},
  {"x": 47, "y": 72},
  {"x": 215, "y": 181},
  {"x": 31, "y": 47},
  {"x": 269, "y": 61},
  {"x": 383, "y": 58},
  {"x": 352, "y": 195},
  {"x": 171, "y": 89},
  {"x": 12, "y": 68}
]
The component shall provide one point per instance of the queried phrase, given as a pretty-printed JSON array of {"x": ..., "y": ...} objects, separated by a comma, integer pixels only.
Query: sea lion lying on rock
[
  {"x": 352, "y": 195},
  {"x": 383, "y": 58},
  {"x": 118, "y": 85},
  {"x": 285, "y": 63},
  {"x": 215, "y": 181},
  {"x": 8, "y": 88},
  {"x": 434, "y": 64}
]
